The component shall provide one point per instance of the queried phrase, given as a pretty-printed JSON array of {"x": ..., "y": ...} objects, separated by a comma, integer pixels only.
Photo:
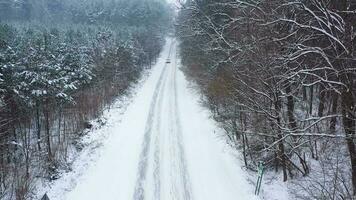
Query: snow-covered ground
[{"x": 164, "y": 146}]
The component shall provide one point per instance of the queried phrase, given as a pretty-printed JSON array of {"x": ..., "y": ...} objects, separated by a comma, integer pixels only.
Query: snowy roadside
[
  {"x": 272, "y": 186},
  {"x": 88, "y": 148}
]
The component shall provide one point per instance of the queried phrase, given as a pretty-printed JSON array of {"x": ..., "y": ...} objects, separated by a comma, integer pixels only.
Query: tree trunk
[
  {"x": 311, "y": 100},
  {"x": 59, "y": 125},
  {"x": 281, "y": 151},
  {"x": 38, "y": 126},
  {"x": 282, "y": 157},
  {"x": 316, "y": 150},
  {"x": 244, "y": 148},
  {"x": 321, "y": 101},
  {"x": 335, "y": 98},
  {"x": 234, "y": 126},
  {"x": 48, "y": 133},
  {"x": 349, "y": 119},
  {"x": 290, "y": 109},
  {"x": 304, "y": 90},
  {"x": 242, "y": 124}
]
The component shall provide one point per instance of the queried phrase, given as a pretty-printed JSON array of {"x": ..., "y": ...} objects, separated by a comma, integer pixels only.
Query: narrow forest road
[{"x": 164, "y": 148}]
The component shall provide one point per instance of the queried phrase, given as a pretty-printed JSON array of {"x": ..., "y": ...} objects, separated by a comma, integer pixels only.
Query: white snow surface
[{"x": 165, "y": 146}]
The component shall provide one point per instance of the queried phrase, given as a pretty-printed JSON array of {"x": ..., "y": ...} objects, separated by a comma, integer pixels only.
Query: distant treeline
[
  {"x": 133, "y": 12},
  {"x": 280, "y": 76},
  {"x": 61, "y": 64}
]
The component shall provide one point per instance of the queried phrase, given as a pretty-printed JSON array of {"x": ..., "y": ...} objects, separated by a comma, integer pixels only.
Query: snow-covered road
[{"x": 164, "y": 148}]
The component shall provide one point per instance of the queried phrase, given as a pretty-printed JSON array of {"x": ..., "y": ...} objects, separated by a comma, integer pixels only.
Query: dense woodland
[
  {"x": 62, "y": 62},
  {"x": 280, "y": 77}
]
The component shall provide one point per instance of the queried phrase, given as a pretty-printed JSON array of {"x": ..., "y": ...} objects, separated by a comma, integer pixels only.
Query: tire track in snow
[
  {"x": 157, "y": 151},
  {"x": 180, "y": 182},
  {"x": 139, "y": 193},
  {"x": 157, "y": 159},
  {"x": 183, "y": 164},
  {"x": 172, "y": 146}
]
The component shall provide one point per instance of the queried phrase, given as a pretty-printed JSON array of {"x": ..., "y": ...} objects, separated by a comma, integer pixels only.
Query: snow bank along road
[{"x": 164, "y": 148}]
